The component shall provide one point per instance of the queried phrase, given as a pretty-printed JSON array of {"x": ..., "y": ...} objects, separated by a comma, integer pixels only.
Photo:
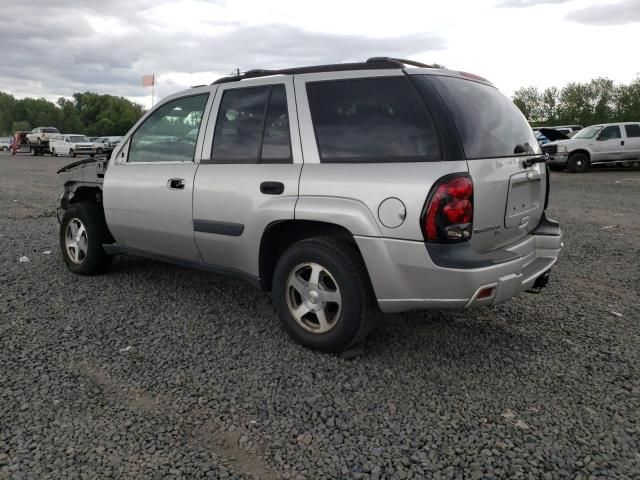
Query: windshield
[
  {"x": 489, "y": 124},
  {"x": 78, "y": 139},
  {"x": 588, "y": 132}
]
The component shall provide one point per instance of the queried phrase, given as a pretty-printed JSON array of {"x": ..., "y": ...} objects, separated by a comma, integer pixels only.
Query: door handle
[
  {"x": 622, "y": 142},
  {"x": 272, "y": 188},
  {"x": 175, "y": 183}
]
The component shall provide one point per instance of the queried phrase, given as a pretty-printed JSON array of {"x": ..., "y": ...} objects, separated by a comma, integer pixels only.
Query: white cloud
[{"x": 67, "y": 47}]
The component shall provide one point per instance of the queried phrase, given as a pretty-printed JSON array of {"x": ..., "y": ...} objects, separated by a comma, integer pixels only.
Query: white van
[{"x": 70, "y": 144}]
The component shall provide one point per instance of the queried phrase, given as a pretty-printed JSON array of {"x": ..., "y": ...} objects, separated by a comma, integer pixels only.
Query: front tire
[
  {"x": 323, "y": 296},
  {"x": 72, "y": 153},
  {"x": 99, "y": 151},
  {"x": 578, "y": 162},
  {"x": 83, "y": 231}
]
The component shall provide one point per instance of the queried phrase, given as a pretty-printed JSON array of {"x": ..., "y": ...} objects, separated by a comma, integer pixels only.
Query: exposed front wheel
[
  {"x": 322, "y": 294},
  {"x": 99, "y": 151},
  {"x": 578, "y": 163},
  {"x": 72, "y": 153},
  {"x": 83, "y": 231}
]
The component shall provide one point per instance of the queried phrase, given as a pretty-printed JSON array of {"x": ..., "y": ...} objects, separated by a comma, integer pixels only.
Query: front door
[
  {"x": 249, "y": 171},
  {"x": 608, "y": 146},
  {"x": 149, "y": 183}
]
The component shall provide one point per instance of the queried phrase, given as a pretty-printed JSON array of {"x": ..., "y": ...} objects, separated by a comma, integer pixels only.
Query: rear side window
[
  {"x": 371, "y": 120},
  {"x": 489, "y": 124},
  {"x": 252, "y": 126},
  {"x": 632, "y": 130}
]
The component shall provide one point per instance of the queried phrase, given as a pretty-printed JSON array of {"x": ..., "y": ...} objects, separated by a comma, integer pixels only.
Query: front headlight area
[{"x": 562, "y": 149}]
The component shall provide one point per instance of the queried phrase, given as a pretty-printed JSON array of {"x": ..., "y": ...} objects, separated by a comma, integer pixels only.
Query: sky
[{"x": 57, "y": 47}]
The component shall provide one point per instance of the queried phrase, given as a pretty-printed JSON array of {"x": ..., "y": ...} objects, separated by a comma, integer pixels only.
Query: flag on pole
[{"x": 148, "y": 80}]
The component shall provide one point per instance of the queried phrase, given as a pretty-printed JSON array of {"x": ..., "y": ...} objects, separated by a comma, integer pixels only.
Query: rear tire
[
  {"x": 340, "y": 288},
  {"x": 578, "y": 163},
  {"x": 83, "y": 231}
]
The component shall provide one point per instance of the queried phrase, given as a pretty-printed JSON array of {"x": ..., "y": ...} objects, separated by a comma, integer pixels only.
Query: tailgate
[{"x": 508, "y": 201}]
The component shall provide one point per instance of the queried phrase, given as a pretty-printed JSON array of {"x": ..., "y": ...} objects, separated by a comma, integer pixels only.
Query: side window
[
  {"x": 252, "y": 126},
  {"x": 276, "y": 144},
  {"x": 632, "y": 130},
  {"x": 611, "y": 132},
  {"x": 170, "y": 133},
  {"x": 371, "y": 120}
]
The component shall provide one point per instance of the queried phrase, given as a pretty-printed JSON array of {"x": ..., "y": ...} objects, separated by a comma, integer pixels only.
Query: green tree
[
  {"x": 529, "y": 101},
  {"x": 20, "y": 125}
]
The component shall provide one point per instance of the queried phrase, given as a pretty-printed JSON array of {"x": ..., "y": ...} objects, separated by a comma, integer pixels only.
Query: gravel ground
[{"x": 155, "y": 371}]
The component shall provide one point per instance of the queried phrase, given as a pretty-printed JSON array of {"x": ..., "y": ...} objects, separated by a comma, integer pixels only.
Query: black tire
[
  {"x": 99, "y": 151},
  {"x": 578, "y": 162},
  {"x": 5, "y": 149},
  {"x": 359, "y": 311},
  {"x": 53, "y": 152},
  {"x": 91, "y": 217},
  {"x": 72, "y": 153}
]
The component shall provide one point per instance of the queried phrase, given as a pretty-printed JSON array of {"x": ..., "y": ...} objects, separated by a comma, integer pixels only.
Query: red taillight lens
[{"x": 448, "y": 215}]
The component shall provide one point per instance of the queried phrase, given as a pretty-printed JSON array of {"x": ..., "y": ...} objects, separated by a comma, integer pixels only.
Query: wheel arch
[
  {"x": 580, "y": 150},
  {"x": 280, "y": 235}
]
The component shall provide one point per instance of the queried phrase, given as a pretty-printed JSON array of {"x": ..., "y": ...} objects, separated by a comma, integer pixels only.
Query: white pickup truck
[
  {"x": 40, "y": 135},
  {"x": 597, "y": 144}
]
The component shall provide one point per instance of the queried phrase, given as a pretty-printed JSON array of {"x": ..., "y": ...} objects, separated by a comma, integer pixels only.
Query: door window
[
  {"x": 169, "y": 134},
  {"x": 371, "y": 120},
  {"x": 252, "y": 126},
  {"x": 609, "y": 133},
  {"x": 632, "y": 130}
]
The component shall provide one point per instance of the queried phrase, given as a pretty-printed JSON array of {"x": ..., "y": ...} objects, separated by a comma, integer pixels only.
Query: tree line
[
  {"x": 87, "y": 113},
  {"x": 597, "y": 101}
]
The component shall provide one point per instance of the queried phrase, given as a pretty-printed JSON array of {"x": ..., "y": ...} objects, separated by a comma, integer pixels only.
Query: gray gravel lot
[{"x": 155, "y": 371}]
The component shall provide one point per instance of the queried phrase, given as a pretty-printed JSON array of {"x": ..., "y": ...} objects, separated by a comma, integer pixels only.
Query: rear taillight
[{"x": 448, "y": 213}]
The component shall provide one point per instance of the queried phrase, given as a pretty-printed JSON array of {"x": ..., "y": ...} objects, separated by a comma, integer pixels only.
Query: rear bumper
[{"x": 406, "y": 277}]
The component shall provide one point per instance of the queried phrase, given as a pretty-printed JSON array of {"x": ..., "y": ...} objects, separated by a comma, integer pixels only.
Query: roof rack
[{"x": 371, "y": 64}]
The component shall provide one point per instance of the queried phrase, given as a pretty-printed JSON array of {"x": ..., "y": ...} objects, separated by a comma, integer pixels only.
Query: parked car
[
  {"x": 71, "y": 144},
  {"x": 105, "y": 144},
  {"x": 5, "y": 144},
  {"x": 421, "y": 188},
  {"x": 41, "y": 135},
  {"x": 597, "y": 144}
]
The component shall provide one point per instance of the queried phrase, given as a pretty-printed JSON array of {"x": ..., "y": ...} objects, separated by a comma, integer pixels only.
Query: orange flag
[{"x": 148, "y": 80}]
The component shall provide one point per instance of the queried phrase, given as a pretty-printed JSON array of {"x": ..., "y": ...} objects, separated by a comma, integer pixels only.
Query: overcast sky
[{"x": 56, "y": 47}]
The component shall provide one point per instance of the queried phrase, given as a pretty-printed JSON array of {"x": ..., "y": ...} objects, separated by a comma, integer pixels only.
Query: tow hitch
[{"x": 540, "y": 283}]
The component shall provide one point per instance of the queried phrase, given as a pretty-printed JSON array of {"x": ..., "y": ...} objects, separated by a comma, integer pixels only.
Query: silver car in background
[{"x": 346, "y": 190}]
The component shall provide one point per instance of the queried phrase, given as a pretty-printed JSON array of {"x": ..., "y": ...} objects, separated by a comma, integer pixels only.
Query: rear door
[
  {"x": 632, "y": 142},
  {"x": 148, "y": 185},
  {"x": 496, "y": 138},
  {"x": 249, "y": 171},
  {"x": 609, "y": 145}
]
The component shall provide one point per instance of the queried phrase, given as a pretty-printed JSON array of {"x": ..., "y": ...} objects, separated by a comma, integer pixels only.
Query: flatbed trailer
[{"x": 20, "y": 144}]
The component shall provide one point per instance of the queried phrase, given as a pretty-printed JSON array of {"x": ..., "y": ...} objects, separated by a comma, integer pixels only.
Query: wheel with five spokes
[
  {"x": 83, "y": 231},
  {"x": 322, "y": 294}
]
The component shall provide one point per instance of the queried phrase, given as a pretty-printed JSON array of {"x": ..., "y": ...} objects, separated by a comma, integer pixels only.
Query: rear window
[
  {"x": 371, "y": 120},
  {"x": 489, "y": 124},
  {"x": 50, "y": 130},
  {"x": 632, "y": 130}
]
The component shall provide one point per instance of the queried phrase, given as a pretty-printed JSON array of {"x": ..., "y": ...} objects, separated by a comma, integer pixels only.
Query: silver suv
[{"x": 345, "y": 190}]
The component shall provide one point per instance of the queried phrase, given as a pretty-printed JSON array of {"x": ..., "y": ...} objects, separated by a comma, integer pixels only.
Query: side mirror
[{"x": 601, "y": 138}]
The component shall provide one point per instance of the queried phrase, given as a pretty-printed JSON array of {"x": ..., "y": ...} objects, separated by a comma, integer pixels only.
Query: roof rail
[
  {"x": 401, "y": 61},
  {"x": 370, "y": 64}
]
